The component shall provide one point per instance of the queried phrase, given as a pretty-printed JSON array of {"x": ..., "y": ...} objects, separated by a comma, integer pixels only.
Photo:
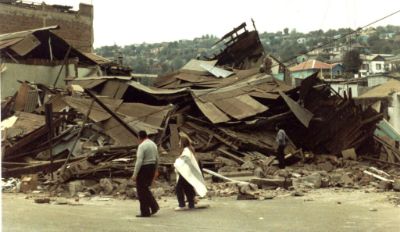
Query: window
[
  {"x": 378, "y": 66},
  {"x": 365, "y": 67}
]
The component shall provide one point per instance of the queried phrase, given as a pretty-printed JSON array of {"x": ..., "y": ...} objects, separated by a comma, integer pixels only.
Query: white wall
[
  {"x": 11, "y": 72},
  {"x": 341, "y": 87},
  {"x": 374, "y": 81},
  {"x": 374, "y": 69},
  {"x": 394, "y": 111}
]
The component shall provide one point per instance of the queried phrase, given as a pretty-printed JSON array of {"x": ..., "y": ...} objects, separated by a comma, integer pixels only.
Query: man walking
[
  {"x": 145, "y": 169},
  {"x": 281, "y": 140}
]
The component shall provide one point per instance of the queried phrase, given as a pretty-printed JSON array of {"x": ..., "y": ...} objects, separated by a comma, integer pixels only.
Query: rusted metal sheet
[
  {"x": 217, "y": 72},
  {"x": 301, "y": 113},
  {"x": 240, "y": 107},
  {"x": 26, "y": 45},
  {"x": 156, "y": 91},
  {"x": 26, "y": 123},
  {"x": 153, "y": 115},
  {"x": 211, "y": 112},
  {"x": 31, "y": 100},
  {"x": 194, "y": 66},
  {"x": 22, "y": 96},
  {"x": 97, "y": 114},
  {"x": 114, "y": 89},
  {"x": 88, "y": 84}
]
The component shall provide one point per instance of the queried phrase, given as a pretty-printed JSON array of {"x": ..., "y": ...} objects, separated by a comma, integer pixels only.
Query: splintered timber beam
[
  {"x": 377, "y": 176},
  {"x": 223, "y": 177}
]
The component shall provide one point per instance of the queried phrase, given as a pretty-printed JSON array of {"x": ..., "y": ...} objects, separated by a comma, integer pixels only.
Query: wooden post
[{"x": 48, "y": 109}]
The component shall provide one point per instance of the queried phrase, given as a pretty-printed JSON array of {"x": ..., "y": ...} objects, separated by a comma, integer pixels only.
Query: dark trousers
[
  {"x": 143, "y": 183},
  {"x": 281, "y": 156},
  {"x": 184, "y": 188}
]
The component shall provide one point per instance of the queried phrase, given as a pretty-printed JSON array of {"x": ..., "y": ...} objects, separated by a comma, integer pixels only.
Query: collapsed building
[{"x": 229, "y": 105}]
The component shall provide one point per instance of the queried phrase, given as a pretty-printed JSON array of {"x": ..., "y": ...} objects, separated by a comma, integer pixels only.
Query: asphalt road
[{"x": 322, "y": 211}]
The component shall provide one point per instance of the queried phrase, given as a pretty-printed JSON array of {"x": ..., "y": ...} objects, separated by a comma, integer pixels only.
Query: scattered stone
[
  {"x": 314, "y": 180},
  {"x": 158, "y": 192},
  {"x": 42, "y": 200},
  {"x": 349, "y": 154},
  {"x": 346, "y": 180},
  {"x": 396, "y": 185},
  {"x": 61, "y": 201},
  {"x": 106, "y": 185},
  {"x": 131, "y": 193},
  {"x": 283, "y": 173},
  {"x": 326, "y": 166},
  {"x": 384, "y": 185},
  {"x": 297, "y": 194}
]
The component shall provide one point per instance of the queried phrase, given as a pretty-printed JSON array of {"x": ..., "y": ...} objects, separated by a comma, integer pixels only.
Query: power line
[{"x": 341, "y": 37}]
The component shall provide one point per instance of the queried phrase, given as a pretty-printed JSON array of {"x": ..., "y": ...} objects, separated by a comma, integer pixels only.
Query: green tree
[
  {"x": 352, "y": 61},
  {"x": 286, "y": 31}
]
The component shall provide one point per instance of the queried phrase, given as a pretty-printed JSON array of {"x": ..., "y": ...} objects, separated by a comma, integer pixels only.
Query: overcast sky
[{"x": 126, "y": 22}]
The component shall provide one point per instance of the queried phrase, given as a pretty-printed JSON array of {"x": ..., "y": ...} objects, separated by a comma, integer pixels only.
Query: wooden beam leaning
[{"x": 115, "y": 116}]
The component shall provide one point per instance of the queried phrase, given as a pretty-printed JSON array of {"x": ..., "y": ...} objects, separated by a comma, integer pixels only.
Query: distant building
[
  {"x": 347, "y": 88},
  {"x": 374, "y": 63},
  {"x": 76, "y": 27},
  {"x": 301, "y": 40},
  {"x": 305, "y": 69}
]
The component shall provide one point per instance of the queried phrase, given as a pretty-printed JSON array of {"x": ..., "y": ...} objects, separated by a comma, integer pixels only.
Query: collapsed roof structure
[{"x": 226, "y": 105}]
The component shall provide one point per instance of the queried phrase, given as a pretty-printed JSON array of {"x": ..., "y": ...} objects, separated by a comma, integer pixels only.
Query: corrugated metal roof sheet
[
  {"x": 22, "y": 34},
  {"x": 195, "y": 66},
  {"x": 217, "y": 72},
  {"x": 211, "y": 111},
  {"x": 156, "y": 91},
  {"x": 383, "y": 90},
  {"x": 96, "y": 58},
  {"x": 310, "y": 64}
]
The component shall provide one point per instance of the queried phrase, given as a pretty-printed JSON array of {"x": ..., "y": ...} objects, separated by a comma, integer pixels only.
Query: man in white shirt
[{"x": 145, "y": 170}]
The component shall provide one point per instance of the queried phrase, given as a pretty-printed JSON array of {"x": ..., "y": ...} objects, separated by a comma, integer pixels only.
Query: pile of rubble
[{"x": 83, "y": 138}]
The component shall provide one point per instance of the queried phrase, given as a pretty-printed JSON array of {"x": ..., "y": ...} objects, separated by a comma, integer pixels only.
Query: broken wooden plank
[
  {"x": 35, "y": 168},
  {"x": 232, "y": 156},
  {"x": 174, "y": 138},
  {"x": 381, "y": 161},
  {"x": 379, "y": 171},
  {"x": 377, "y": 176},
  {"x": 223, "y": 177},
  {"x": 269, "y": 182}
]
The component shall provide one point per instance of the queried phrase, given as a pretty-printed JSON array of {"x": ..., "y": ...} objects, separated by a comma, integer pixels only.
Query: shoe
[
  {"x": 140, "y": 215},
  {"x": 179, "y": 208}
]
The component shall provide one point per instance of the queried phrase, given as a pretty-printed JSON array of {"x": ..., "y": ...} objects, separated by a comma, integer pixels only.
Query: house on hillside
[
  {"x": 301, "y": 40},
  {"x": 305, "y": 69},
  {"x": 374, "y": 63}
]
